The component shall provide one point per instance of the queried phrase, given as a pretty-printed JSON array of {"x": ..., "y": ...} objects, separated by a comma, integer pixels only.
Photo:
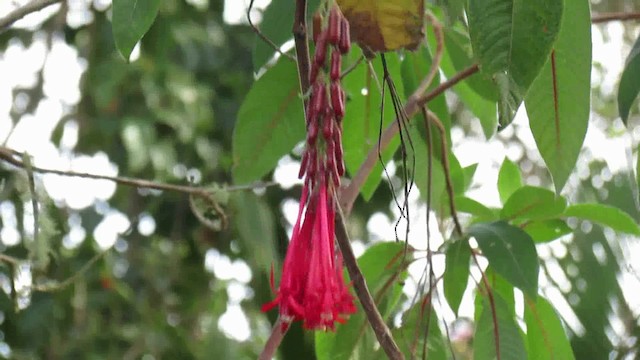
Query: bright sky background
[{"x": 63, "y": 69}]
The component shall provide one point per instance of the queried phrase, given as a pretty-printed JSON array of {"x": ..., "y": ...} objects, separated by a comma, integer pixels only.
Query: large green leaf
[
  {"x": 378, "y": 264},
  {"x": 361, "y": 125},
  {"x": 509, "y": 179},
  {"x": 500, "y": 320},
  {"x": 545, "y": 332},
  {"x": 459, "y": 49},
  {"x": 546, "y": 230},
  {"x": 485, "y": 110},
  {"x": 629, "y": 85},
  {"x": 533, "y": 203},
  {"x": 456, "y": 273},
  {"x": 415, "y": 67},
  {"x": 511, "y": 252},
  {"x": 605, "y": 215},
  {"x": 255, "y": 225},
  {"x": 277, "y": 26},
  {"x": 475, "y": 208},
  {"x": 131, "y": 20},
  {"x": 270, "y": 123},
  {"x": 512, "y": 39},
  {"x": 558, "y": 100},
  {"x": 411, "y": 337}
]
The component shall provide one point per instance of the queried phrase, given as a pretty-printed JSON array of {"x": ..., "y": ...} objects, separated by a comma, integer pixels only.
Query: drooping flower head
[{"x": 312, "y": 288}]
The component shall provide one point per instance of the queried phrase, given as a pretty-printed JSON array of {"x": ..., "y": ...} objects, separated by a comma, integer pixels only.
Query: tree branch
[
  {"x": 362, "y": 291},
  {"x": 13, "y": 157},
  {"x": 302, "y": 47},
  {"x": 620, "y": 16},
  {"x": 23, "y": 11}
]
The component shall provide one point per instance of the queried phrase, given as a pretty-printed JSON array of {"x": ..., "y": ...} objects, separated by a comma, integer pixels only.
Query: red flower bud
[
  {"x": 321, "y": 49},
  {"x": 337, "y": 99},
  {"x": 312, "y": 132},
  {"x": 312, "y": 163},
  {"x": 335, "y": 26},
  {"x": 344, "y": 44},
  {"x": 338, "y": 151},
  {"x": 317, "y": 26},
  {"x": 327, "y": 126},
  {"x": 303, "y": 164},
  {"x": 335, "y": 65},
  {"x": 313, "y": 74},
  {"x": 318, "y": 99}
]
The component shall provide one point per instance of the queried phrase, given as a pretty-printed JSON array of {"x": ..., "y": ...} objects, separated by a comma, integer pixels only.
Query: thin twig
[
  {"x": 34, "y": 197},
  {"x": 23, "y": 11},
  {"x": 383, "y": 334},
  {"x": 619, "y": 16},
  {"x": 301, "y": 44},
  {"x": 263, "y": 36},
  {"x": 352, "y": 67},
  {"x": 55, "y": 286},
  {"x": 433, "y": 118},
  {"x": 9, "y": 259},
  {"x": 11, "y": 156},
  {"x": 274, "y": 340}
]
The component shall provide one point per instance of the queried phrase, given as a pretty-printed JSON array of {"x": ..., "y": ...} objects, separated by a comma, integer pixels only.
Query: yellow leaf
[{"x": 385, "y": 25}]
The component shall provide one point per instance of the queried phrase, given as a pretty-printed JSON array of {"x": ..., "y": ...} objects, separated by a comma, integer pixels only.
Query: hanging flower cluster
[{"x": 312, "y": 288}]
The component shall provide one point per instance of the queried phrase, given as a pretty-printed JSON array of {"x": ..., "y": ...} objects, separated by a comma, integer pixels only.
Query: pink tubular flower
[{"x": 312, "y": 288}]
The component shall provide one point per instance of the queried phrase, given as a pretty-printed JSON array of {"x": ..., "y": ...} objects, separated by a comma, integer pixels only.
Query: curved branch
[
  {"x": 11, "y": 156},
  {"x": 23, "y": 11}
]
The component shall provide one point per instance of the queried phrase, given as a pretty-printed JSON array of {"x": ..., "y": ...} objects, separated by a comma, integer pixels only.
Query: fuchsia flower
[{"x": 312, "y": 288}]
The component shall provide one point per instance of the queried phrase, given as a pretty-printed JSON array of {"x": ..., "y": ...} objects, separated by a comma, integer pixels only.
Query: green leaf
[
  {"x": 254, "y": 222},
  {"x": 545, "y": 332},
  {"x": 485, "y": 110},
  {"x": 270, "y": 123},
  {"x": 421, "y": 154},
  {"x": 475, "y": 208},
  {"x": 411, "y": 336},
  {"x": 512, "y": 39},
  {"x": 558, "y": 102},
  {"x": 547, "y": 230},
  {"x": 459, "y": 49},
  {"x": 510, "y": 252},
  {"x": 629, "y": 85},
  {"x": 414, "y": 68},
  {"x": 510, "y": 343},
  {"x": 509, "y": 179},
  {"x": 533, "y": 203},
  {"x": 605, "y": 215},
  {"x": 131, "y": 20},
  {"x": 499, "y": 285},
  {"x": 378, "y": 264},
  {"x": 456, "y": 273},
  {"x": 361, "y": 124},
  {"x": 276, "y": 25}
]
